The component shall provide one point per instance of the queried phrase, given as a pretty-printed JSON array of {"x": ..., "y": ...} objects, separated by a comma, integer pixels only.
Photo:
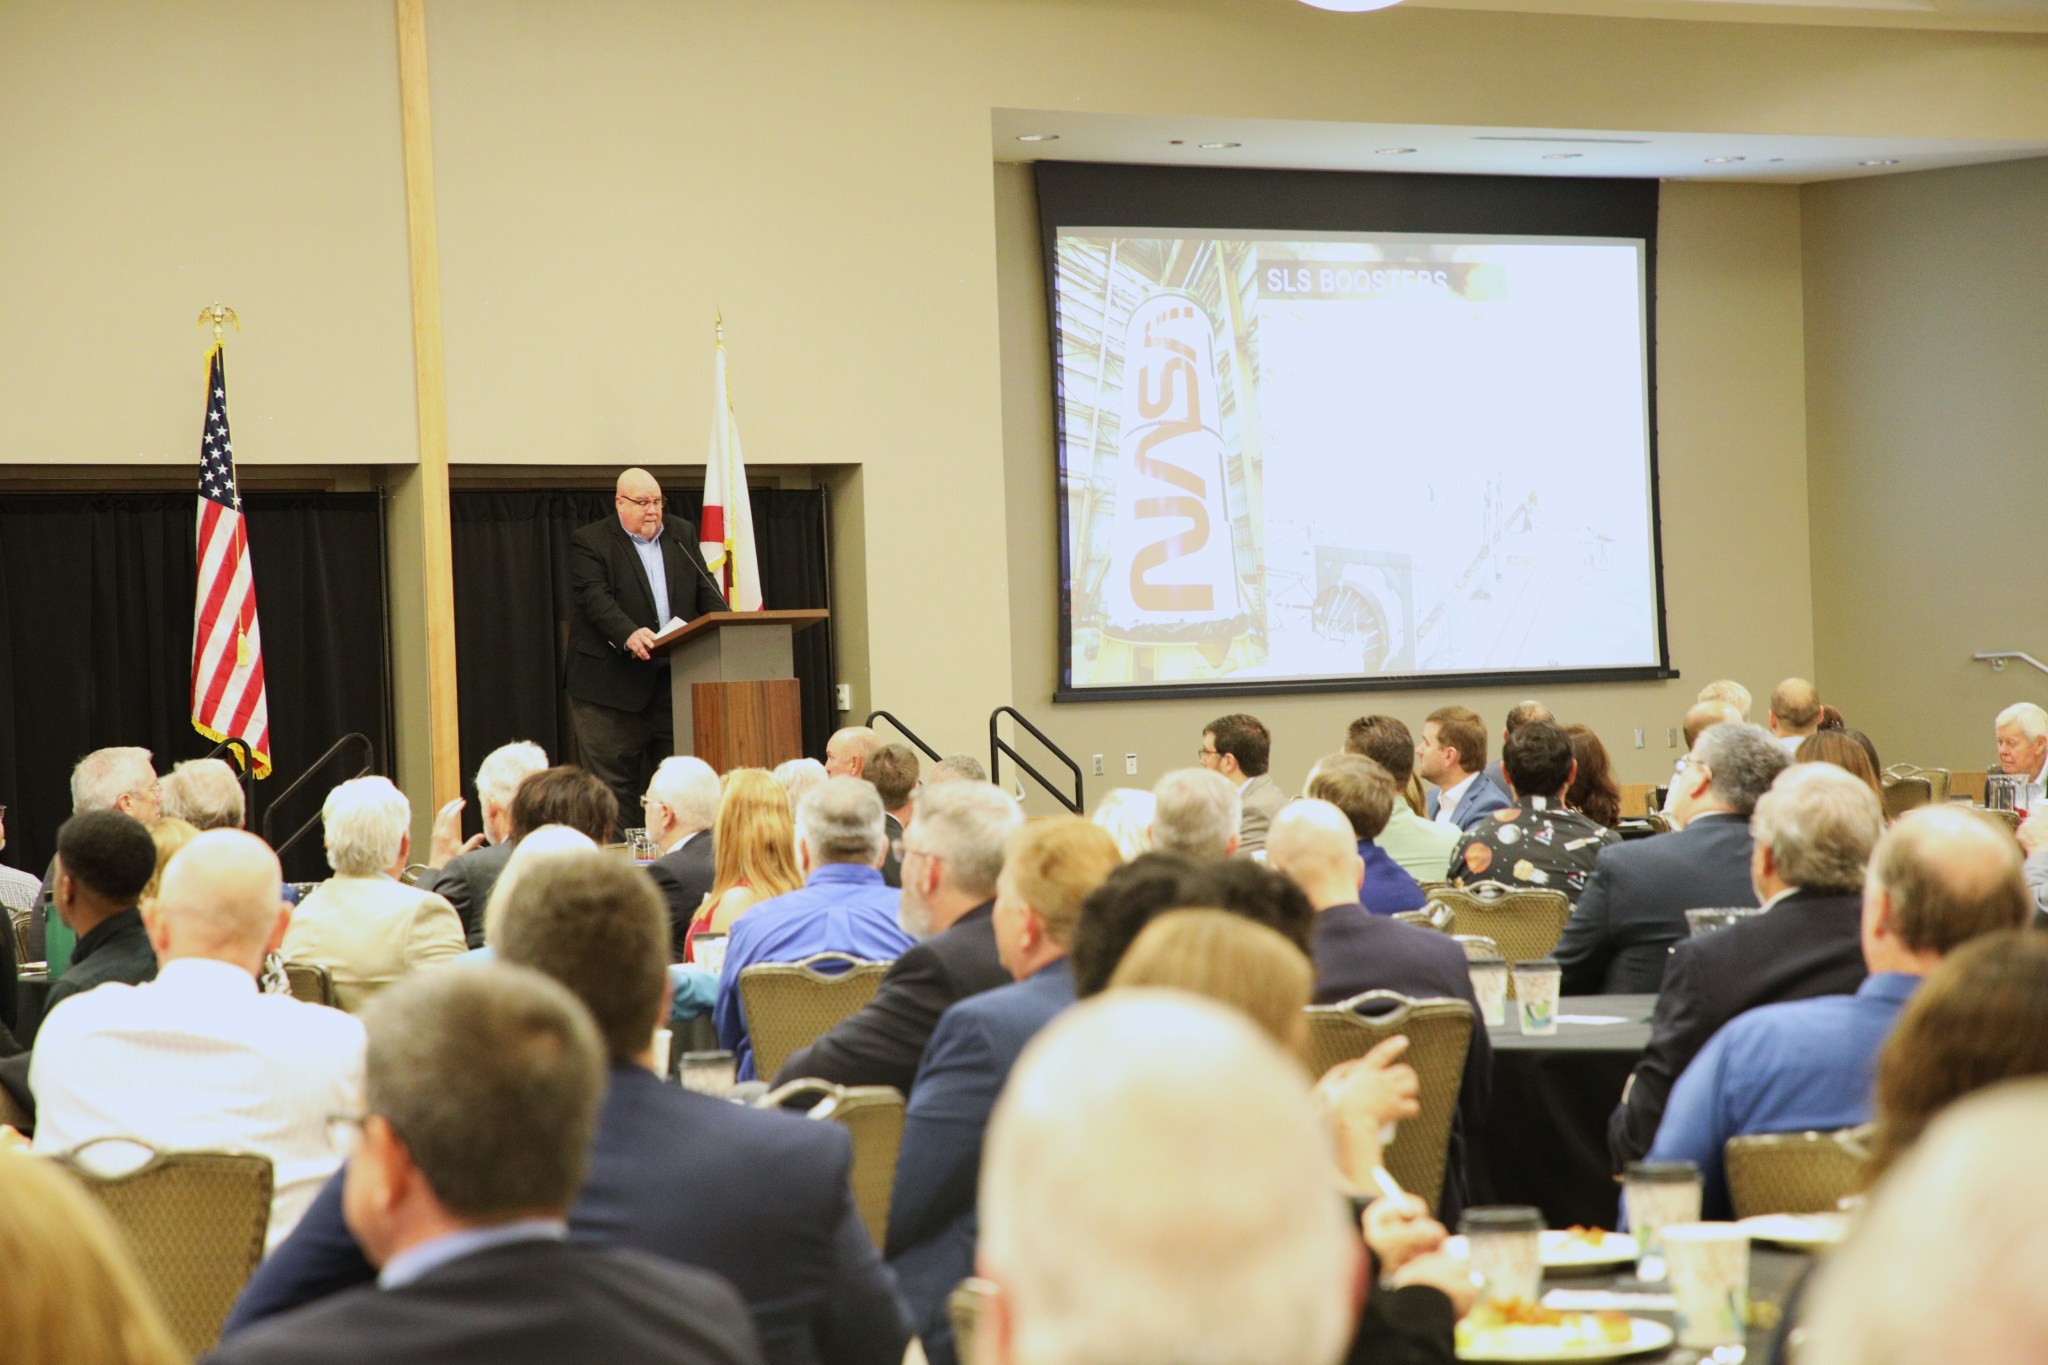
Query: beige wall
[{"x": 1927, "y": 404}]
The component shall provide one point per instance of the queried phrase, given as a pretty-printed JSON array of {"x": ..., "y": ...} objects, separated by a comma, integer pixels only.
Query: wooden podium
[{"x": 733, "y": 677}]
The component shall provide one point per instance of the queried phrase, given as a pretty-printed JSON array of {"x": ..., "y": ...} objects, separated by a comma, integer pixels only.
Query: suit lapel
[{"x": 631, "y": 551}]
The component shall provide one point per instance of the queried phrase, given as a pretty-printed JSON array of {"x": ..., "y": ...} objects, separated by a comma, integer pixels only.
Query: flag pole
[{"x": 219, "y": 314}]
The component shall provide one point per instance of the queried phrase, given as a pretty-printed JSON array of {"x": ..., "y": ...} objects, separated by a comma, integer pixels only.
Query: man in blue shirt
[
  {"x": 1364, "y": 791},
  {"x": 1939, "y": 878},
  {"x": 843, "y": 905}
]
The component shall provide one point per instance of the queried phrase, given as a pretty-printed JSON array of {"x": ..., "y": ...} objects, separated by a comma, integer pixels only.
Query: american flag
[{"x": 228, "y": 700}]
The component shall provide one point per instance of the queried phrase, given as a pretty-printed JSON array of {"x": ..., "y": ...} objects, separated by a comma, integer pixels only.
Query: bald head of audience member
[
  {"x": 1795, "y": 709},
  {"x": 637, "y": 498},
  {"x": 848, "y": 751},
  {"x": 953, "y": 854},
  {"x": 1196, "y": 813},
  {"x": 1938, "y": 878},
  {"x": 1705, "y": 713},
  {"x": 596, "y": 924},
  {"x": 482, "y": 1085},
  {"x": 956, "y": 768},
  {"x": 222, "y": 898},
  {"x": 204, "y": 793},
  {"x": 1050, "y": 868},
  {"x": 1120, "y": 1218},
  {"x": 1314, "y": 845},
  {"x": 1357, "y": 786},
  {"x": 1813, "y": 831}
]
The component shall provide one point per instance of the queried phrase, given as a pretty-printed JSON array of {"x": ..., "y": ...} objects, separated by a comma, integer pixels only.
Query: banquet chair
[
  {"x": 1433, "y": 916},
  {"x": 873, "y": 1115},
  {"x": 2008, "y": 818},
  {"x": 1525, "y": 922},
  {"x": 1902, "y": 794},
  {"x": 18, "y": 920},
  {"x": 195, "y": 1222},
  {"x": 1439, "y": 1033},
  {"x": 1937, "y": 778},
  {"x": 1476, "y": 946},
  {"x": 790, "y": 1005},
  {"x": 311, "y": 982},
  {"x": 1794, "y": 1172},
  {"x": 964, "y": 1307}
]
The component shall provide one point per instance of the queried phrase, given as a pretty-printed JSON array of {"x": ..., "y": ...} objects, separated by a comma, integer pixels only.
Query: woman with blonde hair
[
  {"x": 169, "y": 834},
  {"x": 1227, "y": 958},
  {"x": 71, "y": 1294},
  {"x": 754, "y": 842}
]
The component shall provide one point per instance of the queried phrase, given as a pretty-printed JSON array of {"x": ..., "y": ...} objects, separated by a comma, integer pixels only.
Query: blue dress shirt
[
  {"x": 649, "y": 550},
  {"x": 1784, "y": 1068},
  {"x": 1387, "y": 888},
  {"x": 842, "y": 908},
  {"x": 417, "y": 1262}
]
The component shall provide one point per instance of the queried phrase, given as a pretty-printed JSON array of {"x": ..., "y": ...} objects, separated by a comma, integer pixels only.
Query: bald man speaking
[{"x": 630, "y": 574}]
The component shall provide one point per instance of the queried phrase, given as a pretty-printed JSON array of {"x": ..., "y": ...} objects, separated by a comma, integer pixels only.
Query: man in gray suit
[
  {"x": 465, "y": 879},
  {"x": 1238, "y": 747}
]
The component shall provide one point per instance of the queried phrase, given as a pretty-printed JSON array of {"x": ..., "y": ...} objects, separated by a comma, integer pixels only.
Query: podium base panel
[{"x": 747, "y": 724}]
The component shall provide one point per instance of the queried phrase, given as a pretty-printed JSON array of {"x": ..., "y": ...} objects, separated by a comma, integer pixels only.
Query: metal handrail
[
  {"x": 270, "y": 816},
  {"x": 906, "y": 732},
  {"x": 997, "y": 747},
  {"x": 246, "y": 759},
  {"x": 1997, "y": 659}
]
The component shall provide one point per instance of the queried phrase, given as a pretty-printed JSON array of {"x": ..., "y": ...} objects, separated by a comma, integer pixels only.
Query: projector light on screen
[{"x": 1306, "y": 458}]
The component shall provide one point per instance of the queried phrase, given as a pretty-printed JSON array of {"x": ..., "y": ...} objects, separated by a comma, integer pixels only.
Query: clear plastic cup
[
  {"x": 1490, "y": 985},
  {"x": 1536, "y": 988},
  {"x": 1709, "y": 1265},
  {"x": 710, "y": 1073},
  {"x": 708, "y": 952},
  {"x": 1657, "y": 1195},
  {"x": 664, "y": 1039},
  {"x": 1505, "y": 1242}
]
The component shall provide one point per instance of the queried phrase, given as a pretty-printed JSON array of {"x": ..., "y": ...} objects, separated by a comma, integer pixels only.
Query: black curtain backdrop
[
  {"x": 512, "y": 610},
  {"x": 96, "y": 601}
]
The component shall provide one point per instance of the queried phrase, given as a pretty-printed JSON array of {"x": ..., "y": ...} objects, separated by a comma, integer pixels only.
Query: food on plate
[{"x": 1529, "y": 1328}]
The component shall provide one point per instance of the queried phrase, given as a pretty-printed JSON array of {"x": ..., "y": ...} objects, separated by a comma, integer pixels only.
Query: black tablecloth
[{"x": 1546, "y": 1139}]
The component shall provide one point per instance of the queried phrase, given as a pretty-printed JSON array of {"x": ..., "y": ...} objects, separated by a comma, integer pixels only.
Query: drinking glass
[{"x": 1656, "y": 1195}]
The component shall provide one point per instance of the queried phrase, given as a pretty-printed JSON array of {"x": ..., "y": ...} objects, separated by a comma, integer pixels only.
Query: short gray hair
[
  {"x": 491, "y": 1076},
  {"x": 364, "y": 821},
  {"x": 1729, "y": 691},
  {"x": 204, "y": 793},
  {"x": 965, "y": 825},
  {"x": 2032, "y": 720},
  {"x": 956, "y": 768},
  {"x": 840, "y": 821},
  {"x": 1820, "y": 824},
  {"x": 689, "y": 787},
  {"x": 505, "y": 767},
  {"x": 1196, "y": 813},
  {"x": 1742, "y": 761},
  {"x": 1118, "y": 1110},
  {"x": 104, "y": 776},
  {"x": 798, "y": 777}
]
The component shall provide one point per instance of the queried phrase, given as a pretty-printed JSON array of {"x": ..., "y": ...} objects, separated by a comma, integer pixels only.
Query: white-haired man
[
  {"x": 2022, "y": 734},
  {"x": 1120, "y": 1217},
  {"x": 121, "y": 779},
  {"x": 205, "y": 794},
  {"x": 952, "y": 857},
  {"x": 363, "y": 924},
  {"x": 682, "y": 805},
  {"x": 842, "y": 907},
  {"x": 199, "y": 1058},
  {"x": 465, "y": 878},
  {"x": 1197, "y": 814}
]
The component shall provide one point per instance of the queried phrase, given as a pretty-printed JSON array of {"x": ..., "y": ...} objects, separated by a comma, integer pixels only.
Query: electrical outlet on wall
[
  {"x": 844, "y": 697},
  {"x": 1671, "y": 736},
  {"x": 1130, "y": 765},
  {"x": 1639, "y": 736},
  {"x": 1098, "y": 765}
]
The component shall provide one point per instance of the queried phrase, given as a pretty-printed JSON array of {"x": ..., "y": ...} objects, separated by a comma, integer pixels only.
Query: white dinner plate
[
  {"x": 1528, "y": 1345},
  {"x": 1799, "y": 1231},
  {"x": 1562, "y": 1251}
]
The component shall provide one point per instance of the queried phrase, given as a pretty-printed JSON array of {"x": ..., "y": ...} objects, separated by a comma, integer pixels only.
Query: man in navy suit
[
  {"x": 1311, "y": 844},
  {"x": 1051, "y": 867},
  {"x": 1452, "y": 759},
  {"x": 1813, "y": 831},
  {"x": 682, "y": 804},
  {"x": 761, "y": 1198},
  {"x": 483, "y": 1085},
  {"x": 1364, "y": 792},
  {"x": 1633, "y": 908},
  {"x": 630, "y": 575}
]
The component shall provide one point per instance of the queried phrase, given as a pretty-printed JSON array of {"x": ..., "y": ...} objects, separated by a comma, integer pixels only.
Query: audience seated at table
[
  {"x": 1937, "y": 880},
  {"x": 842, "y": 906},
  {"x": 2021, "y": 734},
  {"x": 121, "y": 779},
  {"x": 1592, "y": 791},
  {"x": 1238, "y": 748},
  {"x": 198, "y": 1059},
  {"x": 758, "y": 1197},
  {"x": 1147, "y": 887},
  {"x": 1196, "y": 814},
  {"x": 753, "y": 851},
  {"x": 1844, "y": 749},
  {"x": 1813, "y": 833},
  {"x": 1231, "y": 960},
  {"x": 1422, "y": 847},
  {"x": 681, "y": 806},
  {"x": 204, "y": 793},
  {"x": 894, "y": 772},
  {"x": 1633, "y": 908},
  {"x": 1536, "y": 842},
  {"x": 1794, "y": 713},
  {"x": 1452, "y": 759},
  {"x": 1127, "y": 814},
  {"x": 952, "y": 858},
  {"x": 1719, "y": 703},
  {"x": 2033, "y": 837},
  {"x": 1520, "y": 714},
  {"x": 1364, "y": 792},
  {"x": 483, "y": 1088},
  {"x": 849, "y": 753},
  {"x": 464, "y": 879}
]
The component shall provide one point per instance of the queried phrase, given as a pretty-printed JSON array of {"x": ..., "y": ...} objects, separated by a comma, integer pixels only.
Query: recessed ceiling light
[
  {"x": 1220, "y": 146},
  {"x": 1038, "y": 137},
  {"x": 1562, "y": 156},
  {"x": 1395, "y": 151},
  {"x": 1724, "y": 160},
  {"x": 1880, "y": 161},
  {"x": 1351, "y": 6}
]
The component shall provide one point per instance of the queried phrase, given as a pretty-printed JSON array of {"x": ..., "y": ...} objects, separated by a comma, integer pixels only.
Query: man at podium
[{"x": 632, "y": 575}]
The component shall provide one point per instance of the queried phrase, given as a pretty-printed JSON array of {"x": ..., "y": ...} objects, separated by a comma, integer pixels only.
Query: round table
[
  {"x": 1773, "y": 1275},
  {"x": 1545, "y": 1141}
]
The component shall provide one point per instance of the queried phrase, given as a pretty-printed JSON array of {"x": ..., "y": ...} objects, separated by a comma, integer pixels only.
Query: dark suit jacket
[
  {"x": 1810, "y": 943},
  {"x": 892, "y": 859},
  {"x": 614, "y": 598},
  {"x": 883, "y": 1043},
  {"x": 1480, "y": 800},
  {"x": 1356, "y": 951},
  {"x": 537, "y": 1301},
  {"x": 685, "y": 878},
  {"x": 1633, "y": 907},
  {"x": 466, "y": 884},
  {"x": 756, "y": 1196}
]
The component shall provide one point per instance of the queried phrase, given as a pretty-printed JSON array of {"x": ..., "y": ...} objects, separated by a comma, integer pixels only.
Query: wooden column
[{"x": 430, "y": 380}]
